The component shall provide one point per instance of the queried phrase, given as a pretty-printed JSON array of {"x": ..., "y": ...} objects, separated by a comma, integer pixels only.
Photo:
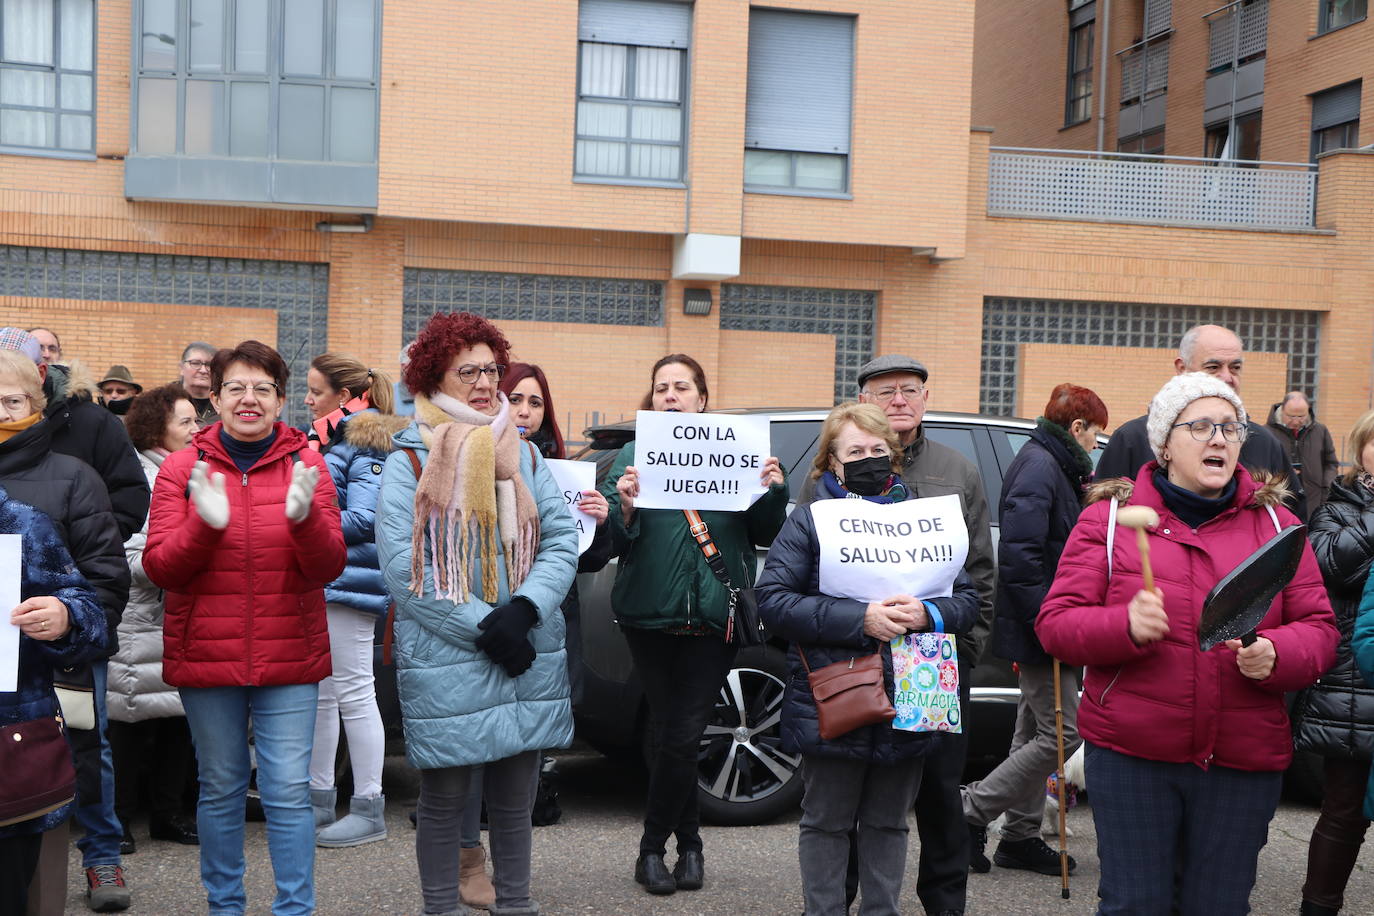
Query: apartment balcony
[{"x": 1156, "y": 190}]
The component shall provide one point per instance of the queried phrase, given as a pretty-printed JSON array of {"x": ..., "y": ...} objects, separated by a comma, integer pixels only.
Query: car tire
[{"x": 744, "y": 777}]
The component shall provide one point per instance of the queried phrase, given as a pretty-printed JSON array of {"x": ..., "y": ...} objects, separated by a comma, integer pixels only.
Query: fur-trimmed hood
[
  {"x": 372, "y": 431},
  {"x": 72, "y": 380},
  {"x": 1270, "y": 489}
]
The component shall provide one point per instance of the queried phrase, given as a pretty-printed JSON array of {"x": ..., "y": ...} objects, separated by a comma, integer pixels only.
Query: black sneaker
[
  {"x": 654, "y": 875},
  {"x": 1032, "y": 855},
  {"x": 977, "y": 859}
]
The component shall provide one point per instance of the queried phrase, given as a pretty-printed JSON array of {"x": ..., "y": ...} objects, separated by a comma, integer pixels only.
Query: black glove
[{"x": 505, "y": 635}]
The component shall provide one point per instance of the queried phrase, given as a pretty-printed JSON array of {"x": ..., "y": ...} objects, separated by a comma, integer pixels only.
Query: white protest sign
[
  {"x": 573, "y": 477},
  {"x": 11, "y": 558},
  {"x": 871, "y": 551},
  {"x": 699, "y": 460}
]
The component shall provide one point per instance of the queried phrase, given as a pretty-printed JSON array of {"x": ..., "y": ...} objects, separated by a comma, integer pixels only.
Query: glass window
[
  {"x": 1338, "y": 13},
  {"x": 46, "y": 71},
  {"x": 794, "y": 444},
  {"x": 629, "y": 112},
  {"x": 810, "y": 171},
  {"x": 1247, "y": 141},
  {"x": 1338, "y": 136},
  {"x": 1079, "y": 106},
  {"x": 261, "y": 79},
  {"x": 1150, "y": 143}
]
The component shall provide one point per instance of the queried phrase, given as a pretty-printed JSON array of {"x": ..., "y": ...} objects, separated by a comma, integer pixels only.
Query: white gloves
[
  {"x": 301, "y": 494},
  {"x": 208, "y": 496}
]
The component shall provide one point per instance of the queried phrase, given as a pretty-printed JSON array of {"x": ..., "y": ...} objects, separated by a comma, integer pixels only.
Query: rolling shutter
[{"x": 801, "y": 75}]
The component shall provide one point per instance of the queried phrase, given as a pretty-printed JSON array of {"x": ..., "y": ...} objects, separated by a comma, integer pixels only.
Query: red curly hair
[{"x": 442, "y": 338}]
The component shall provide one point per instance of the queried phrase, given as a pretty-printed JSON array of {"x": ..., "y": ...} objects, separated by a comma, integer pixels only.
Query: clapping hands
[
  {"x": 208, "y": 496},
  {"x": 300, "y": 495}
]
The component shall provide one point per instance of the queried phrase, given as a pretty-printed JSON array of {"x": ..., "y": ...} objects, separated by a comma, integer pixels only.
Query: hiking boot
[
  {"x": 363, "y": 823},
  {"x": 106, "y": 891},
  {"x": 1032, "y": 855},
  {"x": 977, "y": 859}
]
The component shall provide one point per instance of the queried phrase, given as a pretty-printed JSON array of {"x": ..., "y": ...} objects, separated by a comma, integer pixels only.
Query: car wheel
[{"x": 744, "y": 776}]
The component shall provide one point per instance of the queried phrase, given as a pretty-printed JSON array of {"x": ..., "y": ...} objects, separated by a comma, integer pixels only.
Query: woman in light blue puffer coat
[{"x": 478, "y": 554}]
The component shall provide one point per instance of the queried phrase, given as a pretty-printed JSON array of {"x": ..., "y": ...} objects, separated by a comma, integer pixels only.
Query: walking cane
[{"x": 1059, "y": 784}]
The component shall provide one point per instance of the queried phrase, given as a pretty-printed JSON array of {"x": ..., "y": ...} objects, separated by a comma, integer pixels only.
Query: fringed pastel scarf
[{"x": 471, "y": 495}]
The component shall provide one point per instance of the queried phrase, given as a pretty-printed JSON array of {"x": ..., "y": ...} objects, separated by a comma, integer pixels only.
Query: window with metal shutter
[
  {"x": 1336, "y": 106},
  {"x": 801, "y": 75},
  {"x": 647, "y": 23}
]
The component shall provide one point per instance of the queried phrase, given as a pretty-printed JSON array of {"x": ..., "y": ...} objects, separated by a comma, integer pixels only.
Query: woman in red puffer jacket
[
  {"x": 243, "y": 535},
  {"x": 1185, "y": 750}
]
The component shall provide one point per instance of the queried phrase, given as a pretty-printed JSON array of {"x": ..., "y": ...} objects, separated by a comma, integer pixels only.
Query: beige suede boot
[{"x": 474, "y": 887}]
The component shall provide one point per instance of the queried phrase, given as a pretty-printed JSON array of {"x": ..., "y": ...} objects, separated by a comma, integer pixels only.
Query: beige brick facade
[{"x": 476, "y": 128}]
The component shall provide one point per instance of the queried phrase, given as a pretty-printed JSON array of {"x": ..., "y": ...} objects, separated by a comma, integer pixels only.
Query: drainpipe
[{"x": 1103, "y": 44}]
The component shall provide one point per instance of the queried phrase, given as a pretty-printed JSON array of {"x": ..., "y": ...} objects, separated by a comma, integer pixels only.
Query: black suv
[{"x": 745, "y": 777}]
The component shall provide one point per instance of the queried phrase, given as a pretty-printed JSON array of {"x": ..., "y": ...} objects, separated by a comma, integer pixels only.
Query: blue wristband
[{"x": 937, "y": 620}]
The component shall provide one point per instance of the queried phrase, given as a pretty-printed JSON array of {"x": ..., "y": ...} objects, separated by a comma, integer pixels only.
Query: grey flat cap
[{"x": 891, "y": 363}]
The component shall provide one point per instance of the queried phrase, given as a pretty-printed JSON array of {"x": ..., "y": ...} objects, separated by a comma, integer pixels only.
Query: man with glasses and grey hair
[
  {"x": 1217, "y": 351},
  {"x": 195, "y": 378},
  {"x": 897, "y": 384}
]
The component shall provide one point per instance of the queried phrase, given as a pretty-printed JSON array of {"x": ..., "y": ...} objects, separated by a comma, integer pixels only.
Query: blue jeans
[
  {"x": 95, "y": 787},
  {"x": 283, "y": 723}
]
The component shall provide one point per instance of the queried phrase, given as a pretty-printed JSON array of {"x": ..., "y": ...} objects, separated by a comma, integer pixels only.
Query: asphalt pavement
[{"x": 584, "y": 864}]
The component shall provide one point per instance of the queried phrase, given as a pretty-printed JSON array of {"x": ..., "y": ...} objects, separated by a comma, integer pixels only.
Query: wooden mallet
[{"x": 1140, "y": 518}]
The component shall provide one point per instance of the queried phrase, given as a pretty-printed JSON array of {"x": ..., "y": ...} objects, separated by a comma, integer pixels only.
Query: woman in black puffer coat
[{"x": 1336, "y": 715}]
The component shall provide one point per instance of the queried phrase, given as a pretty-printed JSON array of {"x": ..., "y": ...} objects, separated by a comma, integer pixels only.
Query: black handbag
[{"x": 743, "y": 626}]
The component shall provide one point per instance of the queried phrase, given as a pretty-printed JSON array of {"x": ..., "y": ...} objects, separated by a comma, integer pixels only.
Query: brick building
[{"x": 781, "y": 192}]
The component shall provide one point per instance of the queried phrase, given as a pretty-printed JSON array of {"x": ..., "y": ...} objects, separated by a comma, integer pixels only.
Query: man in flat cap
[{"x": 897, "y": 385}]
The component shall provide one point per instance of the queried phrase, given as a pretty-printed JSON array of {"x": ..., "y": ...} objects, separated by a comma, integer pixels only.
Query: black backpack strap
[{"x": 200, "y": 456}]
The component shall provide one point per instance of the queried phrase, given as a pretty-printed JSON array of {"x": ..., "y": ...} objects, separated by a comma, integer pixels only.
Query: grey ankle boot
[
  {"x": 363, "y": 824},
  {"x": 322, "y": 802}
]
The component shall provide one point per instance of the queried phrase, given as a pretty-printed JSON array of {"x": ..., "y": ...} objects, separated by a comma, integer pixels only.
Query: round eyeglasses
[{"x": 1204, "y": 430}]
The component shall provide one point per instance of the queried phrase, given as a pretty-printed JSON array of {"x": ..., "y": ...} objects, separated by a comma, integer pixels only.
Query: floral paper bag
[{"x": 925, "y": 670}]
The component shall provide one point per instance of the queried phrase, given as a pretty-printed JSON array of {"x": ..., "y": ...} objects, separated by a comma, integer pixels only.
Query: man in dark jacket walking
[
  {"x": 1308, "y": 443},
  {"x": 897, "y": 384},
  {"x": 1217, "y": 351},
  {"x": 1042, "y": 495}
]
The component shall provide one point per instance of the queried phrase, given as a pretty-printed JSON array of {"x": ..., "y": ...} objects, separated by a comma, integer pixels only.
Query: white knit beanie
[{"x": 1178, "y": 393}]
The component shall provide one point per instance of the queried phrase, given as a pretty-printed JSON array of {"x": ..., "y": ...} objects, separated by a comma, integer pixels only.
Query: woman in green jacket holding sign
[{"x": 673, "y": 612}]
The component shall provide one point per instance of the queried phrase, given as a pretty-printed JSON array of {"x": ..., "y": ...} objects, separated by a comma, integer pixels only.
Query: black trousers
[
  {"x": 1338, "y": 833},
  {"x": 156, "y": 754},
  {"x": 942, "y": 876},
  {"x": 682, "y": 677},
  {"x": 18, "y": 859}
]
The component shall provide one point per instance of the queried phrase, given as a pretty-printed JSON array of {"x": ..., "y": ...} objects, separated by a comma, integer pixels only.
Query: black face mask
[
  {"x": 119, "y": 408},
  {"x": 867, "y": 476}
]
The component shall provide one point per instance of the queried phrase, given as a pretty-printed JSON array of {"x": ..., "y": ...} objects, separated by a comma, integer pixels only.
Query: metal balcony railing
[
  {"x": 1144, "y": 69},
  {"x": 1225, "y": 45},
  {"x": 1138, "y": 188}
]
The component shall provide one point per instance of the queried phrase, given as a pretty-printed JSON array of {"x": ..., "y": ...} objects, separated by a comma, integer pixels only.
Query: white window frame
[{"x": 56, "y": 110}]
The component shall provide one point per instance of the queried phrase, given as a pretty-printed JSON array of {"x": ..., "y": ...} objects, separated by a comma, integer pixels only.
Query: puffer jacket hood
[
  {"x": 244, "y": 606},
  {"x": 48, "y": 569},
  {"x": 1166, "y": 700},
  {"x": 663, "y": 581},
  {"x": 458, "y": 707},
  {"x": 1335, "y": 718},
  {"x": 80, "y": 427},
  {"x": 136, "y": 690},
  {"x": 831, "y": 630},
  {"x": 355, "y": 459}
]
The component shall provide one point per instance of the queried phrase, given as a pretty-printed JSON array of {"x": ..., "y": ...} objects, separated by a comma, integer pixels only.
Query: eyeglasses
[
  {"x": 13, "y": 402},
  {"x": 262, "y": 391},
  {"x": 909, "y": 393},
  {"x": 467, "y": 374},
  {"x": 196, "y": 364},
  {"x": 1204, "y": 430}
]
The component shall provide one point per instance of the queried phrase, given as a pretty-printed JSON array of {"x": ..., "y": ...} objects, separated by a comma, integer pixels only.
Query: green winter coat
[{"x": 663, "y": 581}]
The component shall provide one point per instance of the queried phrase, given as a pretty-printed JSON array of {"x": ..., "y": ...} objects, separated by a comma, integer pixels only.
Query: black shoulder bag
[{"x": 743, "y": 627}]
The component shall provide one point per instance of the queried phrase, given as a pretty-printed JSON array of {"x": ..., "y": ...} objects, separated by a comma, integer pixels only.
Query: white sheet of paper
[
  {"x": 871, "y": 551},
  {"x": 699, "y": 461},
  {"x": 11, "y": 558},
  {"x": 573, "y": 477}
]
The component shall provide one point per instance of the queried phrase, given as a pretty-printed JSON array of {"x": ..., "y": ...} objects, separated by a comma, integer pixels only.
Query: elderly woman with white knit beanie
[{"x": 1185, "y": 750}]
